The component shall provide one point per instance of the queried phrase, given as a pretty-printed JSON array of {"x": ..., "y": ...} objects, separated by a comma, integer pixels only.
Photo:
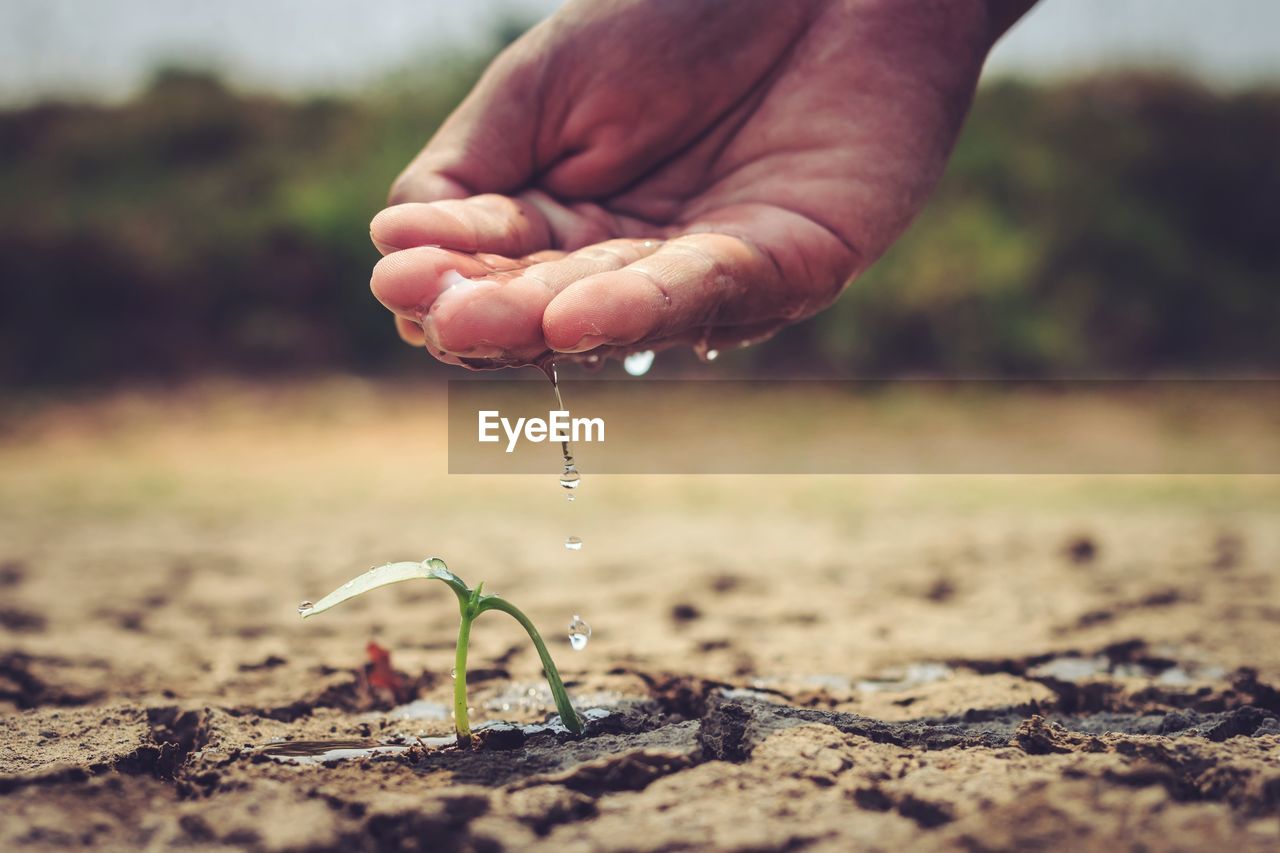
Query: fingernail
[
  {"x": 587, "y": 342},
  {"x": 429, "y": 335},
  {"x": 384, "y": 248}
]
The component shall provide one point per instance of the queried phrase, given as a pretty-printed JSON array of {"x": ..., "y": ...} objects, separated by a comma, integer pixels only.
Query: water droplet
[
  {"x": 579, "y": 633},
  {"x": 305, "y": 607},
  {"x": 593, "y": 358},
  {"x": 703, "y": 350},
  {"x": 569, "y": 497},
  {"x": 570, "y": 479},
  {"x": 573, "y": 543},
  {"x": 638, "y": 363},
  {"x": 437, "y": 568},
  {"x": 453, "y": 672},
  {"x": 704, "y": 355}
]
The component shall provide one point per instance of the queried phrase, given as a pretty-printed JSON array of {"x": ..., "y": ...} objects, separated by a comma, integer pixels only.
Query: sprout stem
[
  {"x": 568, "y": 715},
  {"x": 461, "y": 723}
]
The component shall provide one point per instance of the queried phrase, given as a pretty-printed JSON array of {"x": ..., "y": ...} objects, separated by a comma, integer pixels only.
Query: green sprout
[{"x": 471, "y": 603}]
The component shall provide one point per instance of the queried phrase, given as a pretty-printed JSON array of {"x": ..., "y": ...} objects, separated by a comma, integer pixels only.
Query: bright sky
[{"x": 105, "y": 48}]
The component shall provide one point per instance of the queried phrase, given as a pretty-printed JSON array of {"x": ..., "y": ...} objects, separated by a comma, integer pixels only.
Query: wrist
[
  {"x": 1003, "y": 14},
  {"x": 980, "y": 22}
]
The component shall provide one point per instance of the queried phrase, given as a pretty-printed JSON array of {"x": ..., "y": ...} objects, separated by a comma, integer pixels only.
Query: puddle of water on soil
[
  {"x": 418, "y": 709},
  {"x": 323, "y": 751},
  {"x": 535, "y": 698},
  {"x": 907, "y": 677},
  {"x": 891, "y": 680},
  {"x": 748, "y": 693},
  {"x": 1074, "y": 668},
  {"x": 522, "y": 698}
]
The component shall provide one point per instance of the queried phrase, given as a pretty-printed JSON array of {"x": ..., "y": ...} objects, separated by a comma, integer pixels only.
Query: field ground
[{"x": 878, "y": 662}]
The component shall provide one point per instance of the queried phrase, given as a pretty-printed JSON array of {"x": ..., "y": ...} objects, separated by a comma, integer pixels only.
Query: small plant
[{"x": 471, "y": 603}]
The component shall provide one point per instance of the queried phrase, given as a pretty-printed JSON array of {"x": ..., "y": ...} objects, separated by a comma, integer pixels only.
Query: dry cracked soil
[{"x": 826, "y": 663}]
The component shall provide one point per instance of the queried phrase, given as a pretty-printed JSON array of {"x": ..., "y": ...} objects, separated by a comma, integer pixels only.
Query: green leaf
[{"x": 431, "y": 568}]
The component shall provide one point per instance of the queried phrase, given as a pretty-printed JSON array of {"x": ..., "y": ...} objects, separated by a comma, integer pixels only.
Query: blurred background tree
[{"x": 1115, "y": 224}]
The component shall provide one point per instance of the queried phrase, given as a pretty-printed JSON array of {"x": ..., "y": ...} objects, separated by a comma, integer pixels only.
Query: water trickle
[
  {"x": 705, "y": 355},
  {"x": 570, "y": 479},
  {"x": 579, "y": 633},
  {"x": 305, "y": 607},
  {"x": 702, "y": 349},
  {"x": 638, "y": 363}
]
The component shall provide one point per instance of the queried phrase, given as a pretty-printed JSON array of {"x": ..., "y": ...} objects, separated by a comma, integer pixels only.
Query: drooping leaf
[{"x": 432, "y": 568}]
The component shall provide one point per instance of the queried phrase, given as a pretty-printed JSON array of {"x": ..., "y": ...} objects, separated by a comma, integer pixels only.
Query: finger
[
  {"x": 500, "y": 316},
  {"x": 420, "y": 184},
  {"x": 410, "y": 332},
  {"x": 409, "y": 282},
  {"x": 691, "y": 281},
  {"x": 483, "y": 223}
]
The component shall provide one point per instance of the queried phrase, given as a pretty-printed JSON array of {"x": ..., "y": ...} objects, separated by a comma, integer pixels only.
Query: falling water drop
[
  {"x": 712, "y": 354},
  {"x": 570, "y": 478},
  {"x": 579, "y": 633},
  {"x": 305, "y": 607},
  {"x": 638, "y": 363},
  {"x": 569, "y": 497},
  {"x": 573, "y": 543}
]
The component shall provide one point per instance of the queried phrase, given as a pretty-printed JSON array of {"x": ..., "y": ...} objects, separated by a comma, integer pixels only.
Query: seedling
[{"x": 471, "y": 603}]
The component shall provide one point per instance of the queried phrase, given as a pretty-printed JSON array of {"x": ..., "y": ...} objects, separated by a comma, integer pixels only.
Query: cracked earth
[{"x": 777, "y": 663}]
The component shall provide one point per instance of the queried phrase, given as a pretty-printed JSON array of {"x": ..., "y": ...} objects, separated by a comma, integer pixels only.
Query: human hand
[{"x": 636, "y": 174}]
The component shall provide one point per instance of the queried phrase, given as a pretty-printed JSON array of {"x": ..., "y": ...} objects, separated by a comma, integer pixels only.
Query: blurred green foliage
[
  {"x": 1104, "y": 226},
  {"x": 1115, "y": 225}
]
